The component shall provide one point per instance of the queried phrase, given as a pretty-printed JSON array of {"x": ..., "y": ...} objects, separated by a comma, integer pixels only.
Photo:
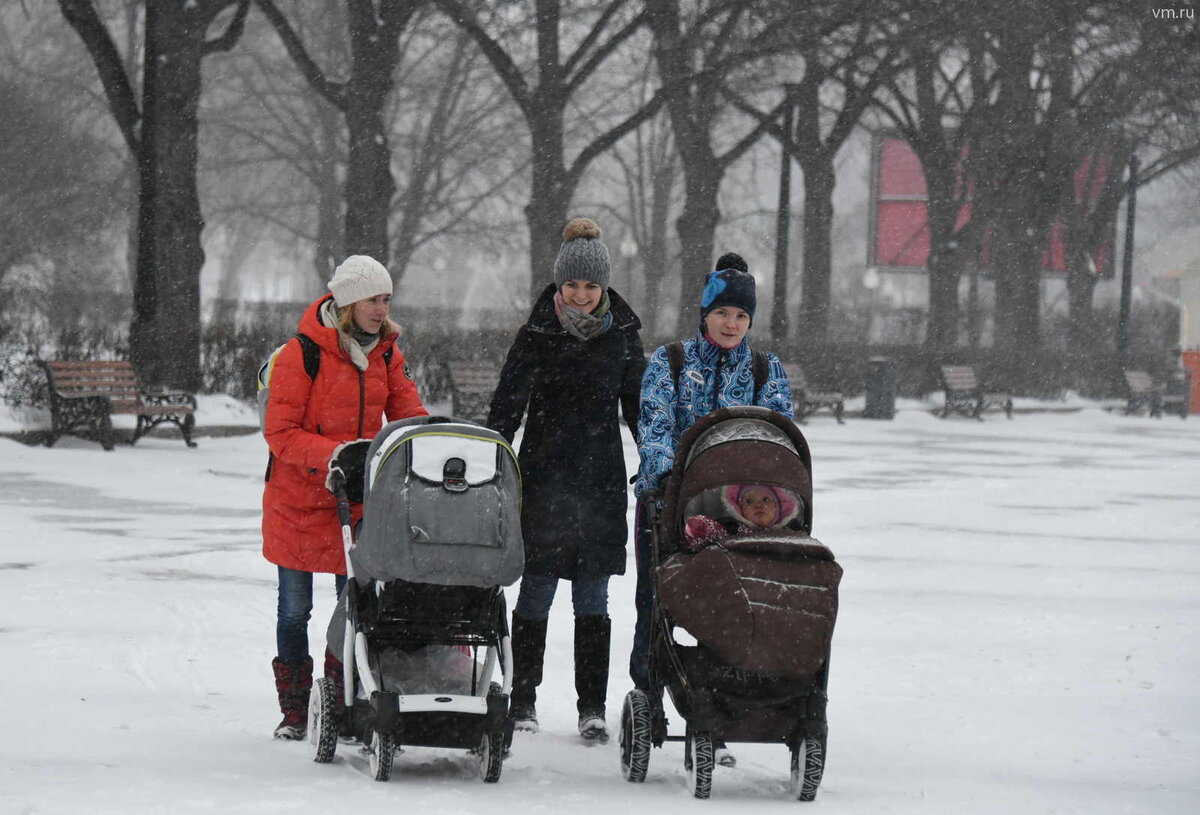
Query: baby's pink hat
[{"x": 789, "y": 505}]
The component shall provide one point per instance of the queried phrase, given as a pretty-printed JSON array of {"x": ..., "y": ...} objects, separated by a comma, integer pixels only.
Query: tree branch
[
  {"x": 335, "y": 92},
  {"x": 81, "y": 15},
  {"x": 602, "y": 53},
  {"x": 503, "y": 64},
  {"x": 607, "y": 140},
  {"x": 233, "y": 31}
]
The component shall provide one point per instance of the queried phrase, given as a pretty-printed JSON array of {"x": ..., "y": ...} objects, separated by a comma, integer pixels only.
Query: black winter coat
[{"x": 572, "y": 464}]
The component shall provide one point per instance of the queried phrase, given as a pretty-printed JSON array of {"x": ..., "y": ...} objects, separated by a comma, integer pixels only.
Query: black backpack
[
  {"x": 312, "y": 365},
  {"x": 762, "y": 366}
]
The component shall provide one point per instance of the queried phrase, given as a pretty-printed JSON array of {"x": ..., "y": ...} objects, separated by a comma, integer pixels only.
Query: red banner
[{"x": 899, "y": 239}]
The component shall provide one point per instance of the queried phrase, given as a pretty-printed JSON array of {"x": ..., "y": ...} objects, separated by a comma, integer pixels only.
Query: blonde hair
[{"x": 346, "y": 324}]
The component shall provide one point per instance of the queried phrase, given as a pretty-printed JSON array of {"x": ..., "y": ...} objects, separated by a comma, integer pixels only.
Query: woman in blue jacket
[{"x": 717, "y": 372}]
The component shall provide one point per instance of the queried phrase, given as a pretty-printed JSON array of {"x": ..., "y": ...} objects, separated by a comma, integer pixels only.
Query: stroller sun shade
[{"x": 442, "y": 506}]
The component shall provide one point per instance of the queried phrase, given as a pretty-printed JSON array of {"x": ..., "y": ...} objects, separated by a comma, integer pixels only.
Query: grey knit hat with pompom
[{"x": 582, "y": 256}]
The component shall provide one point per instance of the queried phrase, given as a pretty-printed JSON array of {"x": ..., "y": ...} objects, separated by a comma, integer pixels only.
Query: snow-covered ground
[{"x": 1018, "y": 634}]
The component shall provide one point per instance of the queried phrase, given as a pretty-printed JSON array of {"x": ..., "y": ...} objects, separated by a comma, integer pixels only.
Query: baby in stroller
[
  {"x": 752, "y": 507},
  {"x": 440, "y": 537},
  {"x": 737, "y": 569}
]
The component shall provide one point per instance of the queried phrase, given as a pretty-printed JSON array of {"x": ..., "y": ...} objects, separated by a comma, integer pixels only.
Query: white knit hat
[{"x": 357, "y": 278}]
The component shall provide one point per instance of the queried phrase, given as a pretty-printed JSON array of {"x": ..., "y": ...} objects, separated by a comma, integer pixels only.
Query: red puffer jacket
[{"x": 306, "y": 419}]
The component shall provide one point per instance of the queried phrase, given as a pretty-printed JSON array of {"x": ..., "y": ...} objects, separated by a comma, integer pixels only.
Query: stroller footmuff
[
  {"x": 423, "y": 601},
  {"x": 758, "y": 605}
]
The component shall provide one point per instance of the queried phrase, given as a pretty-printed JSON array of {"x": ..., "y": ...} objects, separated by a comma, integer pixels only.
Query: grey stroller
[{"x": 440, "y": 536}]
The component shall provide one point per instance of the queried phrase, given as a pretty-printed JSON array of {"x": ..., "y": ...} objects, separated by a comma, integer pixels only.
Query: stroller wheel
[
  {"x": 491, "y": 756},
  {"x": 635, "y": 737},
  {"x": 698, "y": 759},
  {"x": 382, "y": 751},
  {"x": 808, "y": 765},
  {"x": 323, "y": 708}
]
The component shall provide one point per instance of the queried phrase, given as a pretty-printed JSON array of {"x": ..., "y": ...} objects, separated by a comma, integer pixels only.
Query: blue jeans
[
  {"x": 643, "y": 598},
  {"x": 589, "y": 595},
  {"x": 295, "y": 610}
]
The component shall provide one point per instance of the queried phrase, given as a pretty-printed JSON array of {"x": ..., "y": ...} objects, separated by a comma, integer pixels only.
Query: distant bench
[
  {"x": 807, "y": 400},
  {"x": 472, "y": 384},
  {"x": 1145, "y": 393},
  {"x": 964, "y": 394},
  {"x": 84, "y": 396}
]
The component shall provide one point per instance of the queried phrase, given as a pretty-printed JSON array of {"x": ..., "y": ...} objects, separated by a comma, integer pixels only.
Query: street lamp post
[
  {"x": 1127, "y": 263},
  {"x": 783, "y": 220}
]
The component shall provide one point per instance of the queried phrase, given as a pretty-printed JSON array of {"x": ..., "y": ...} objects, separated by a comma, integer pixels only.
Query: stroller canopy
[
  {"x": 740, "y": 445},
  {"x": 442, "y": 505}
]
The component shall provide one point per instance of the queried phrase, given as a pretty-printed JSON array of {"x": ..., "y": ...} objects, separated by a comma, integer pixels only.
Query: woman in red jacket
[{"x": 315, "y": 423}]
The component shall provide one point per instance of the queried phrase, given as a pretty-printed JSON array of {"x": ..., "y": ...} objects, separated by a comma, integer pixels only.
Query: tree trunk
[
  {"x": 165, "y": 332},
  {"x": 549, "y": 195},
  {"x": 819, "y": 180},
  {"x": 656, "y": 256},
  {"x": 329, "y": 246},
  {"x": 1017, "y": 247},
  {"x": 945, "y": 264},
  {"x": 696, "y": 226}
]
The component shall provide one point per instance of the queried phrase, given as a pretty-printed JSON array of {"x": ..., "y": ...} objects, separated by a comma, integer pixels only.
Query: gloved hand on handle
[{"x": 350, "y": 459}]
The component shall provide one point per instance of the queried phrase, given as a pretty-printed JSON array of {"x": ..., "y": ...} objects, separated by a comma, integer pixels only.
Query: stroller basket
[{"x": 420, "y": 613}]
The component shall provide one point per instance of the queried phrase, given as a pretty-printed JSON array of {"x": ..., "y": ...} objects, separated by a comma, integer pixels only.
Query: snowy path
[{"x": 1018, "y": 634}]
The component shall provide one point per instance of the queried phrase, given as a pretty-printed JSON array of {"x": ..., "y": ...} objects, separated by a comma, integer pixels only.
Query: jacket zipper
[
  {"x": 362, "y": 398},
  {"x": 717, "y": 378}
]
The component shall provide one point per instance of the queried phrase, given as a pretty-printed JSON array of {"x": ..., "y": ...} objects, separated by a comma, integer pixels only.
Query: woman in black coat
[{"x": 571, "y": 363}]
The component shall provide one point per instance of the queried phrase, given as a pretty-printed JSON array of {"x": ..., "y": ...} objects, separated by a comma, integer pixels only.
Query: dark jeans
[
  {"x": 295, "y": 610},
  {"x": 589, "y": 596},
  {"x": 639, "y": 656}
]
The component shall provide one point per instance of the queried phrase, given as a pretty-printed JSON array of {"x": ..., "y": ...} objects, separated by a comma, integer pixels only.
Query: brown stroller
[{"x": 760, "y": 606}]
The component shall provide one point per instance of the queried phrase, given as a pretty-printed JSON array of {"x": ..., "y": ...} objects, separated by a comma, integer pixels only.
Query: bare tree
[
  {"x": 162, "y": 133},
  {"x": 373, "y": 30},
  {"x": 846, "y": 56},
  {"x": 543, "y": 94},
  {"x": 695, "y": 56}
]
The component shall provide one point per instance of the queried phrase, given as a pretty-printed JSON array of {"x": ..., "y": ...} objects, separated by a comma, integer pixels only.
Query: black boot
[
  {"x": 529, "y": 650},
  {"x": 592, "y": 637}
]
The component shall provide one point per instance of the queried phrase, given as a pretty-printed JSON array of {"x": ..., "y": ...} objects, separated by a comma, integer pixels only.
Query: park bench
[
  {"x": 1145, "y": 393},
  {"x": 965, "y": 395},
  {"x": 472, "y": 383},
  {"x": 807, "y": 400},
  {"x": 85, "y": 395}
]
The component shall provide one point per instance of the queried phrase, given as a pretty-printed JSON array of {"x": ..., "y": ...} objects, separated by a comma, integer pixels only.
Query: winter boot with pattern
[
  {"x": 592, "y": 636},
  {"x": 293, "y": 683},
  {"x": 529, "y": 650}
]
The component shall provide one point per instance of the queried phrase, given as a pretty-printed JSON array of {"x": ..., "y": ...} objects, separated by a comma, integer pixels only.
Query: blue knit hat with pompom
[{"x": 728, "y": 287}]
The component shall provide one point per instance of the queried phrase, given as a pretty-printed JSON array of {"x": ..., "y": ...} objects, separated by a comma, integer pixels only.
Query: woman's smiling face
[{"x": 582, "y": 294}]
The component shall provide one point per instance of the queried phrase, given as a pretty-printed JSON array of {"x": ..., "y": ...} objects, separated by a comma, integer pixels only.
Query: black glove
[{"x": 349, "y": 459}]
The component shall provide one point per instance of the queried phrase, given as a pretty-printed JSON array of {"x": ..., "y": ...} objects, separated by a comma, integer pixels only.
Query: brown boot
[{"x": 293, "y": 683}]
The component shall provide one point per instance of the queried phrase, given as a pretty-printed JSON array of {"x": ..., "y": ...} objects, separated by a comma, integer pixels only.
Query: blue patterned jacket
[{"x": 711, "y": 378}]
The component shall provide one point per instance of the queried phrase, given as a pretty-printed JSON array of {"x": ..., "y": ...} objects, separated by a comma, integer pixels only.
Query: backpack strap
[
  {"x": 675, "y": 361},
  {"x": 762, "y": 371},
  {"x": 312, "y": 355}
]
